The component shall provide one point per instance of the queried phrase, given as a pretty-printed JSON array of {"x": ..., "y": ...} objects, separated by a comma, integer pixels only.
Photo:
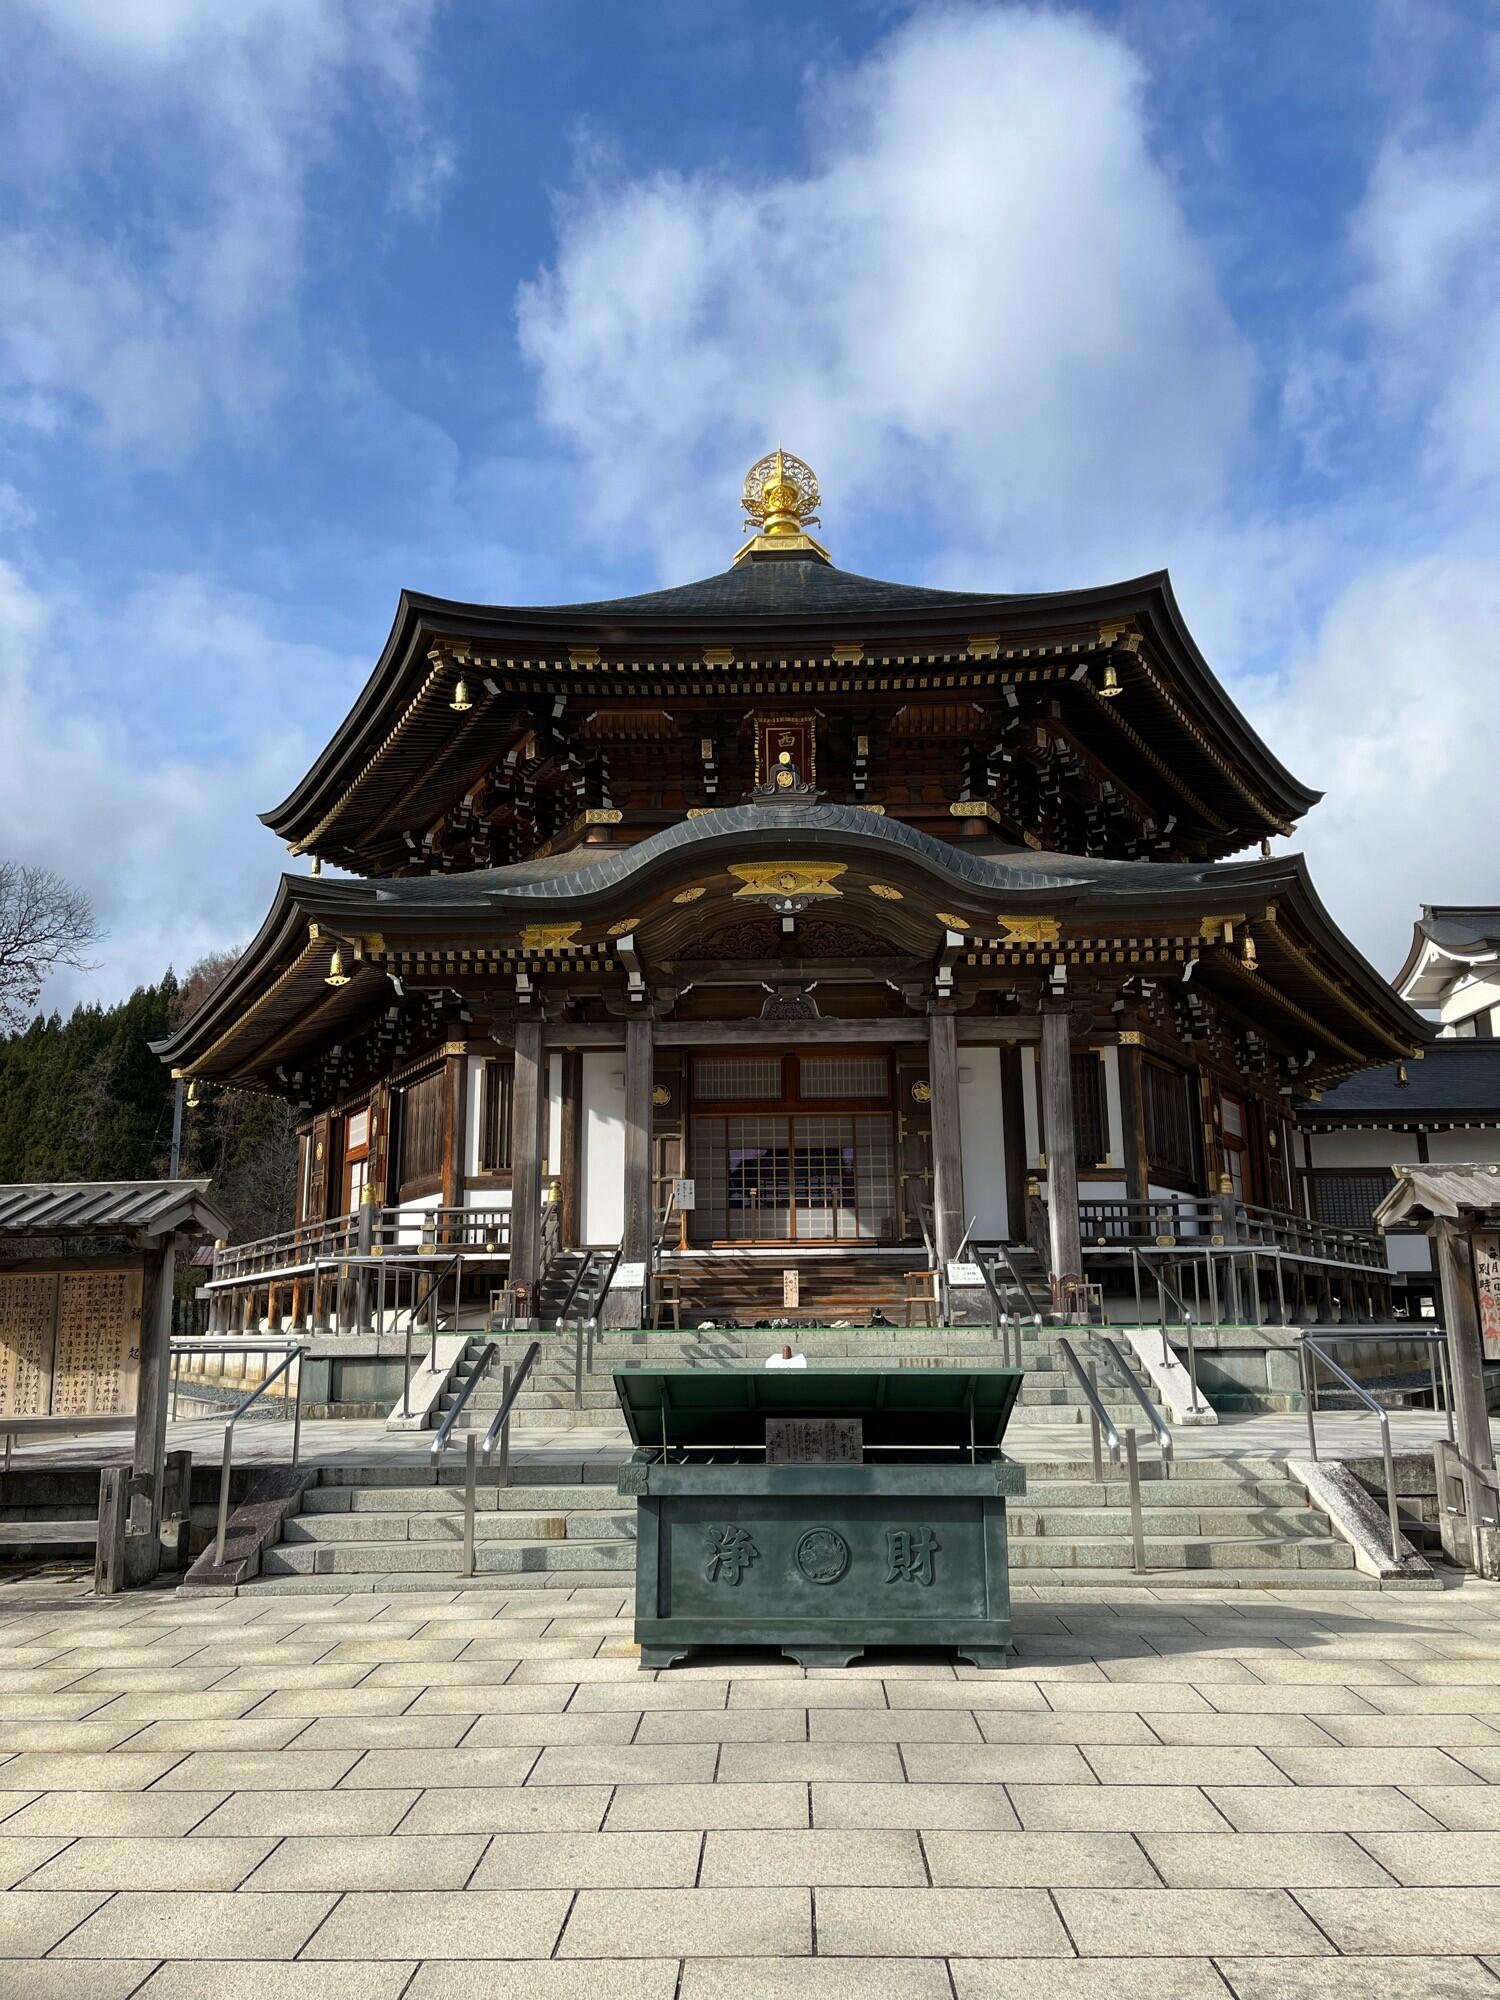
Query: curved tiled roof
[{"x": 1455, "y": 1076}]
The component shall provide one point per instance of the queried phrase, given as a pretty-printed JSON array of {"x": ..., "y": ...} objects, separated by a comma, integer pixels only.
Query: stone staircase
[{"x": 1216, "y": 1523}]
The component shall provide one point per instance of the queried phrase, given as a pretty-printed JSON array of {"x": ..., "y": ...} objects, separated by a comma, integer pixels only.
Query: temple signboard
[
  {"x": 1487, "y": 1285},
  {"x": 70, "y": 1341}
]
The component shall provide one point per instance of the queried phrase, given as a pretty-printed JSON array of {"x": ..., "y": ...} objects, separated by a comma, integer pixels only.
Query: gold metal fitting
[
  {"x": 336, "y": 975},
  {"x": 460, "y": 700},
  {"x": 1247, "y": 952},
  {"x": 1111, "y": 683}
]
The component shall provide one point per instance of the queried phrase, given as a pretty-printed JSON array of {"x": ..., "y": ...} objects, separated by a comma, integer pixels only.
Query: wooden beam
[
  {"x": 528, "y": 1113},
  {"x": 1133, "y": 1119},
  {"x": 1062, "y": 1145},
  {"x": 636, "y": 1239},
  {"x": 143, "y": 1531},
  {"x": 455, "y": 1127},
  {"x": 572, "y": 1145},
  {"x": 947, "y": 1153},
  {"x": 1453, "y": 1253}
]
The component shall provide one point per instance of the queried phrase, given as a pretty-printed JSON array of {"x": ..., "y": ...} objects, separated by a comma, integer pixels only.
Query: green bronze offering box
[{"x": 821, "y": 1512}]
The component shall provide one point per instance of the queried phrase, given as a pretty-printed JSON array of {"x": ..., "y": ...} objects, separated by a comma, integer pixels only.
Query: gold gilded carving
[
  {"x": 973, "y": 809},
  {"x": 718, "y": 656},
  {"x": 984, "y": 646},
  {"x": 549, "y": 937},
  {"x": 921, "y": 1093},
  {"x": 885, "y": 892},
  {"x": 1029, "y": 930},
  {"x": 583, "y": 656},
  {"x": 1211, "y": 929},
  {"x": 624, "y": 928},
  {"x": 1131, "y": 1038},
  {"x": 690, "y": 895},
  {"x": 781, "y": 495},
  {"x": 660, "y": 1094},
  {"x": 787, "y": 878},
  {"x": 954, "y": 922},
  {"x": 1123, "y": 634},
  {"x": 848, "y": 656}
]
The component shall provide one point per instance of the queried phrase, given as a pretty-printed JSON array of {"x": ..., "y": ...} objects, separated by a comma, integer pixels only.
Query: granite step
[{"x": 391, "y": 1558}]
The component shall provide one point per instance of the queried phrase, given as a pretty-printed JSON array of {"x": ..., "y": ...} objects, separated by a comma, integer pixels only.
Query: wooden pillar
[
  {"x": 1013, "y": 1114},
  {"x": 635, "y": 1243},
  {"x": 947, "y": 1149},
  {"x": 571, "y": 1164},
  {"x": 1453, "y": 1253},
  {"x": 455, "y": 1130},
  {"x": 1133, "y": 1117},
  {"x": 148, "y": 1457},
  {"x": 528, "y": 1115},
  {"x": 1063, "y": 1231}
]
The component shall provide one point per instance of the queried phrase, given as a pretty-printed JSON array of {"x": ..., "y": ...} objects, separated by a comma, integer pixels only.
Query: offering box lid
[{"x": 727, "y": 1407}]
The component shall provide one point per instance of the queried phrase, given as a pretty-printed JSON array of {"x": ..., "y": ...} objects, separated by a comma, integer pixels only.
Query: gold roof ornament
[{"x": 781, "y": 499}]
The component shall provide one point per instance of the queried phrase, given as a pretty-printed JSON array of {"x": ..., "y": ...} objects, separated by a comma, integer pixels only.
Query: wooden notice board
[{"x": 70, "y": 1340}]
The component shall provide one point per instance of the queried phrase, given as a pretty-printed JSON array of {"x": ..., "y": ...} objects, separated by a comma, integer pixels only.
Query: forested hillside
[{"x": 83, "y": 1098}]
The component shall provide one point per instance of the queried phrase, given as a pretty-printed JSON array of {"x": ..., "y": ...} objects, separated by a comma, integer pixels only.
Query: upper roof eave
[{"x": 1149, "y": 599}]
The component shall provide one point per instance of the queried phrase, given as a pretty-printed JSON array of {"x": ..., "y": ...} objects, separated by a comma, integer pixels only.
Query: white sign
[
  {"x": 1487, "y": 1278},
  {"x": 965, "y": 1274},
  {"x": 685, "y": 1194},
  {"x": 628, "y": 1277}
]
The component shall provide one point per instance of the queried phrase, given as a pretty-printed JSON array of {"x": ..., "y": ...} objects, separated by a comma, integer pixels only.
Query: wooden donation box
[
  {"x": 70, "y": 1340},
  {"x": 821, "y": 1512}
]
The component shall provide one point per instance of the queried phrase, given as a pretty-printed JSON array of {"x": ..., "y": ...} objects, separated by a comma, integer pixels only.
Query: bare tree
[{"x": 44, "y": 923}]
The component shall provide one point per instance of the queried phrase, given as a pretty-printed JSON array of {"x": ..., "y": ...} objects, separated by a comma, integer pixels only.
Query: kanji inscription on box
[{"x": 814, "y": 1441}]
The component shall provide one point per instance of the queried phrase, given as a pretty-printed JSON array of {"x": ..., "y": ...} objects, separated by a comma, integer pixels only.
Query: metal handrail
[
  {"x": 294, "y": 1353},
  {"x": 1153, "y": 1415},
  {"x": 1310, "y": 1346},
  {"x": 1103, "y": 1426},
  {"x": 1166, "y": 1290},
  {"x": 584, "y": 1331},
  {"x": 1003, "y": 1250},
  {"x": 486, "y": 1355},
  {"x": 454, "y": 1264},
  {"x": 512, "y": 1380}
]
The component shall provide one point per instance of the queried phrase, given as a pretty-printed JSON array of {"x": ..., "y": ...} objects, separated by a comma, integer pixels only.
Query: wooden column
[
  {"x": 636, "y": 1241},
  {"x": 1013, "y": 1114},
  {"x": 528, "y": 1114},
  {"x": 455, "y": 1129},
  {"x": 1453, "y": 1253},
  {"x": 148, "y": 1457},
  {"x": 947, "y": 1150},
  {"x": 1063, "y": 1232},
  {"x": 1133, "y": 1117},
  {"x": 571, "y": 1165}
]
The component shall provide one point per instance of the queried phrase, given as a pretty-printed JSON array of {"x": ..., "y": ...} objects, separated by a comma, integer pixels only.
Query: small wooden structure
[
  {"x": 86, "y": 1271},
  {"x": 1460, "y": 1206}
]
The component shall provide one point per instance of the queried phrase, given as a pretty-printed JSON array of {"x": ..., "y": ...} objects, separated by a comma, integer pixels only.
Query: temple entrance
[{"x": 793, "y": 1148}]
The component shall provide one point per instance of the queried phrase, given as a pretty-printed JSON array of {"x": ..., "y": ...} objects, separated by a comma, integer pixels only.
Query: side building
[
  {"x": 869, "y": 919},
  {"x": 1442, "y": 1111}
]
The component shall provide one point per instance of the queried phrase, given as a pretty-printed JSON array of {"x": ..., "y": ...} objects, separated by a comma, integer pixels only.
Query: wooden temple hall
[{"x": 788, "y": 936}]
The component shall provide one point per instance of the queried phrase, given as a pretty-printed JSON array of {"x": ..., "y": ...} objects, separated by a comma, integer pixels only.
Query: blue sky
[{"x": 302, "y": 301}]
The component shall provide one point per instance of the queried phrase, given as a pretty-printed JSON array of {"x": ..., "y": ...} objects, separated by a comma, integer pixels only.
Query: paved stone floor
[{"x": 372, "y": 1798}]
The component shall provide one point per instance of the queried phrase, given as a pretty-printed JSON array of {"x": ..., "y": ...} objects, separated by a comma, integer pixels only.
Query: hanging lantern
[
  {"x": 336, "y": 975},
  {"x": 1247, "y": 953},
  {"x": 461, "y": 700},
  {"x": 1111, "y": 686},
  {"x": 192, "y": 1092}
]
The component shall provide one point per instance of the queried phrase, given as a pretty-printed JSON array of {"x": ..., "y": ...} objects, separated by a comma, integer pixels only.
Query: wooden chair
[{"x": 667, "y": 1298}]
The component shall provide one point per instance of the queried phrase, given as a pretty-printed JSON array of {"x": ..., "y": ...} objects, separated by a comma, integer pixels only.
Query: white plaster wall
[
  {"x": 1470, "y": 1142},
  {"x": 552, "y": 1164},
  {"x": 473, "y": 1090},
  {"x": 1365, "y": 1148},
  {"x": 981, "y": 1124},
  {"x": 603, "y": 1203},
  {"x": 1462, "y": 1000},
  {"x": 416, "y": 1206},
  {"x": 1408, "y": 1253},
  {"x": 1115, "y": 1114}
]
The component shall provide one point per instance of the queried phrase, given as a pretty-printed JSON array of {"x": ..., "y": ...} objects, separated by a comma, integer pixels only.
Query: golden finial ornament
[{"x": 781, "y": 499}]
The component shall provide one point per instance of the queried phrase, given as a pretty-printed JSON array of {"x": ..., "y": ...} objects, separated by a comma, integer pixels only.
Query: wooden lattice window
[
  {"x": 496, "y": 1096},
  {"x": 1170, "y": 1096}
]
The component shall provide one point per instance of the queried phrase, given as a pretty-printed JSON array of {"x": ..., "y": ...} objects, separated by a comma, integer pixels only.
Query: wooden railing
[
  {"x": 391, "y": 1232},
  {"x": 1201, "y": 1222}
]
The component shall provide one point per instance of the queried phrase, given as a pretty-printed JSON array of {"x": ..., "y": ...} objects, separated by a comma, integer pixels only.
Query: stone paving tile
[
  {"x": 180, "y": 1734},
  {"x": 371, "y": 1861},
  {"x": 495, "y": 1731},
  {"x": 36, "y": 1733},
  {"x": 557, "y": 1860},
  {"x": 378, "y": 1769},
  {"x": 383, "y": 1732},
  {"x": 227, "y": 1980},
  {"x": 641, "y": 1979},
  {"x": 846, "y": 1763},
  {"x": 1037, "y": 1860},
  {"x": 293, "y": 1812},
  {"x": 913, "y": 1805},
  {"x": 1265, "y": 1732},
  {"x": 1465, "y": 1698},
  {"x": 1439, "y": 1732},
  {"x": 626, "y": 1764},
  {"x": 1438, "y": 1860},
  {"x": 698, "y": 1808},
  {"x": 1464, "y": 1808},
  {"x": 434, "y": 1924},
  {"x": 259, "y": 1770},
  {"x": 805, "y": 1693},
  {"x": 1176, "y": 1923},
  {"x": 886, "y": 1725},
  {"x": 1381, "y": 1767},
  {"x": 688, "y": 1923},
  {"x": 45, "y": 1979},
  {"x": 1293, "y": 1699},
  {"x": 1263, "y": 1860},
  {"x": 156, "y": 1862},
  {"x": 1083, "y": 1727},
  {"x": 165, "y": 1924},
  {"x": 1317, "y": 1808},
  {"x": 1088, "y": 1979},
  {"x": 22, "y": 1853},
  {"x": 89, "y": 1771},
  {"x": 1175, "y": 1697},
  {"x": 1407, "y": 1920},
  {"x": 720, "y": 1725},
  {"x": 138, "y": 1814},
  {"x": 999, "y": 1692},
  {"x": 505, "y": 1808},
  {"x": 1358, "y": 1979},
  {"x": 997, "y": 1763},
  {"x": 864, "y": 1923},
  {"x": 814, "y": 1979},
  {"x": 1200, "y": 1764},
  {"x": 1116, "y": 1808},
  {"x": 813, "y": 1857}
]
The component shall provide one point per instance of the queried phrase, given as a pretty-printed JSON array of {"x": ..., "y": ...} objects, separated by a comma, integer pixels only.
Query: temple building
[{"x": 788, "y": 932}]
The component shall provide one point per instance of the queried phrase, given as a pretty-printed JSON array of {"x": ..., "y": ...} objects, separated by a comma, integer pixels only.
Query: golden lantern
[
  {"x": 1111, "y": 684},
  {"x": 460, "y": 701},
  {"x": 336, "y": 975}
]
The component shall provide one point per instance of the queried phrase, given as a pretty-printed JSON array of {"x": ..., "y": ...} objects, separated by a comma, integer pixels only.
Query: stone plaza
[{"x": 455, "y": 1792}]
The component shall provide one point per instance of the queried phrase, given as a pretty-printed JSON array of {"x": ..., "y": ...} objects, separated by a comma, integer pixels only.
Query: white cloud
[
  {"x": 95, "y": 783},
  {"x": 174, "y": 303},
  {"x": 978, "y": 307},
  {"x": 1389, "y": 712}
]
